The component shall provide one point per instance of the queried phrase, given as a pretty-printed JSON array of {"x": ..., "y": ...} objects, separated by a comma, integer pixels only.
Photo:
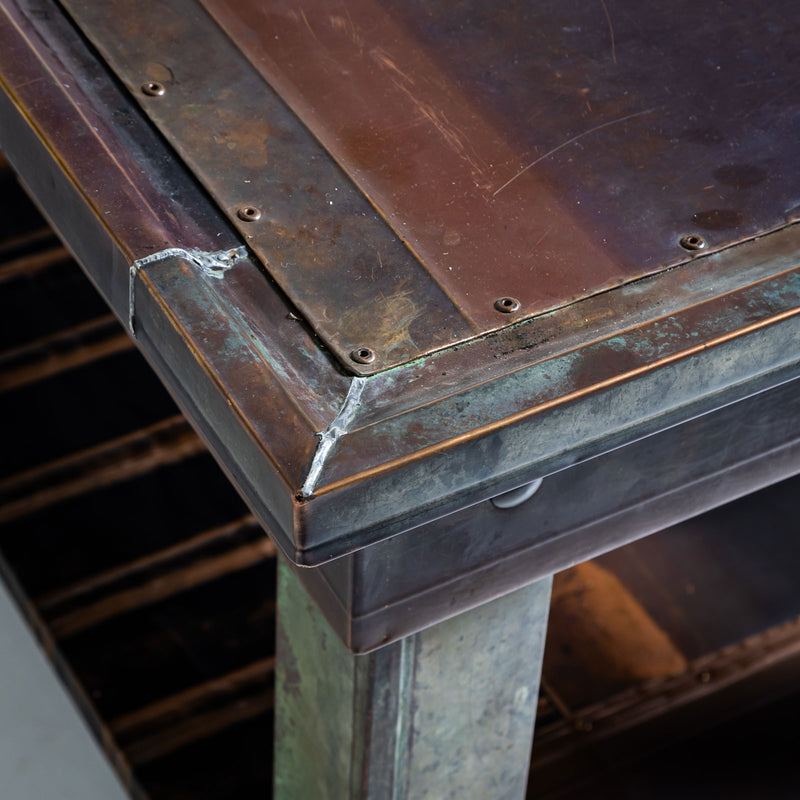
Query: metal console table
[{"x": 457, "y": 297}]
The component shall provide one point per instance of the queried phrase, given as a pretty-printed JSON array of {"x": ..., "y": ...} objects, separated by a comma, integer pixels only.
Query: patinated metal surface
[
  {"x": 544, "y": 151},
  {"x": 332, "y": 463},
  {"x": 344, "y": 269},
  {"x": 443, "y": 715},
  {"x": 402, "y": 584},
  {"x": 555, "y": 411},
  {"x": 536, "y": 154},
  {"x": 87, "y": 125}
]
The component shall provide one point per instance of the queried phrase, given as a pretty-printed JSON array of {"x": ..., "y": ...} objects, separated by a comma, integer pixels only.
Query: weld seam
[
  {"x": 213, "y": 263},
  {"x": 328, "y": 438}
]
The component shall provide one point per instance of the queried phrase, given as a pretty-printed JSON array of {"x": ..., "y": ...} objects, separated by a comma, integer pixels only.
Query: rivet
[
  {"x": 692, "y": 241},
  {"x": 507, "y": 305},
  {"x": 153, "y": 88},
  {"x": 363, "y": 355},
  {"x": 249, "y": 213}
]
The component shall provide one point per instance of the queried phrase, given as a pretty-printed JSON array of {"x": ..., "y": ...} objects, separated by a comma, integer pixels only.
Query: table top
[
  {"x": 394, "y": 260},
  {"x": 540, "y": 153}
]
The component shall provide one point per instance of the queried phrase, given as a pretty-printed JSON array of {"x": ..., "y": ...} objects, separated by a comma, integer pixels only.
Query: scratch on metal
[
  {"x": 214, "y": 264},
  {"x": 570, "y": 141},
  {"x": 328, "y": 437}
]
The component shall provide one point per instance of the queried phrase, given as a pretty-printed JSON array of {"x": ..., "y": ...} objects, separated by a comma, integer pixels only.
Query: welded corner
[
  {"x": 338, "y": 427},
  {"x": 214, "y": 264}
]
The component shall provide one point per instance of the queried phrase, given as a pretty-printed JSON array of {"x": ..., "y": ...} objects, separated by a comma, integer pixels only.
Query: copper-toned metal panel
[
  {"x": 544, "y": 151},
  {"x": 524, "y": 158},
  {"x": 344, "y": 269}
]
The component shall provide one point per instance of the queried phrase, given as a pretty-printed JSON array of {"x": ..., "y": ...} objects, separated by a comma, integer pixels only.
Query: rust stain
[{"x": 249, "y": 138}]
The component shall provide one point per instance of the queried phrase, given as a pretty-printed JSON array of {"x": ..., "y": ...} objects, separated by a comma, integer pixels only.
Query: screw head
[
  {"x": 153, "y": 89},
  {"x": 507, "y": 305},
  {"x": 363, "y": 355},
  {"x": 248, "y": 213},
  {"x": 692, "y": 241}
]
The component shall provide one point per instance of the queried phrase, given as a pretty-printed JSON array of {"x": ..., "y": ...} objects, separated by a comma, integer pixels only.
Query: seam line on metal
[
  {"x": 213, "y": 263},
  {"x": 328, "y": 437},
  {"x": 408, "y": 651}
]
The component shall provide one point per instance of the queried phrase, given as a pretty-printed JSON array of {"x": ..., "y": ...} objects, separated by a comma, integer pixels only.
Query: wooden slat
[
  {"x": 53, "y": 603},
  {"x": 164, "y": 726},
  {"x": 756, "y": 670},
  {"x": 601, "y": 638},
  {"x": 166, "y": 442},
  {"x": 68, "y": 349},
  {"x": 30, "y": 263},
  {"x": 161, "y": 587}
]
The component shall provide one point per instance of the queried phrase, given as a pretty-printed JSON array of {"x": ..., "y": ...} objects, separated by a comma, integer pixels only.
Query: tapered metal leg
[{"x": 445, "y": 713}]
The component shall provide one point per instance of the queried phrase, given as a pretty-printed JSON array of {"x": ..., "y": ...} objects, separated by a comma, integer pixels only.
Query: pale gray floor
[{"x": 46, "y": 749}]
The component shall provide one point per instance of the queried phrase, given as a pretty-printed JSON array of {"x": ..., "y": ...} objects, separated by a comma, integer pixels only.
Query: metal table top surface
[
  {"x": 536, "y": 152},
  {"x": 307, "y": 215}
]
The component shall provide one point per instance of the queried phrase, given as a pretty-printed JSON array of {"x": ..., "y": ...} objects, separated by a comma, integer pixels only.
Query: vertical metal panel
[{"x": 445, "y": 714}]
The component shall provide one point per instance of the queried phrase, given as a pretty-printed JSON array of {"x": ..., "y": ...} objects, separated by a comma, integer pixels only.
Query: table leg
[{"x": 444, "y": 713}]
